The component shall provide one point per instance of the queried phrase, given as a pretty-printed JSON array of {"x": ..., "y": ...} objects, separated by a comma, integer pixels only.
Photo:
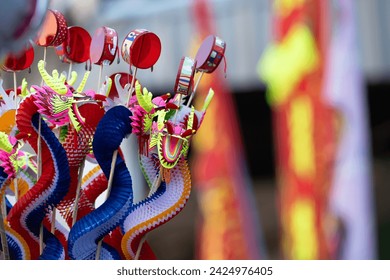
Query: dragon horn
[
  {"x": 5, "y": 145},
  {"x": 190, "y": 121},
  {"x": 160, "y": 119},
  {"x": 24, "y": 87},
  {"x": 117, "y": 81},
  {"x": 83, "y": 82},
  {"x": 63, "y": 78},
  {"x": 146, "y": 104},
  {"x": 73, "y": 78},
  {"x": 53, "y": 83},
  {"x": 108, "y": 86},
  {"x": 55, "y": 74},
  {"x": 208, "y": 99}
]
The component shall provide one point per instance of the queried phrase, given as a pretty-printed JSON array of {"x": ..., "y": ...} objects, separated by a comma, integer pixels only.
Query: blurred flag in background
[
  {"x": 320, "y": 123},
  {"x": 351, "y": 197},
  {"x": 304, "y": 127},
  {"x": 228, "y": 227}
]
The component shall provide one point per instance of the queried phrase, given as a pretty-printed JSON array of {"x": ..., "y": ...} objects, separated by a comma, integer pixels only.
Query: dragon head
[
  {"x": 165, "y": 126},
  {"x": 12, "y": 158},
  {"x": 58, "y": 101}
]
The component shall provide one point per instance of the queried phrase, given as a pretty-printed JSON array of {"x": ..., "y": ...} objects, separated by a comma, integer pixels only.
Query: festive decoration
[
  {"x": 350, "y": 227},
  {"x": 54, "y": 30},
  {"x": 210, "y": 54},
  {"x": 141, "y": 48},
  {"x": 76, "y": 47},
  {"x": 227, "y": 226},
  {"x": 27, "y": 214},
  {"x": 20, "y": 61},
  {"x": 185, "y": 76},
  {"x": 305, "y": 130},
  {"x": 85, "y": 234},
  {"x": 104, "y": 46},
  {"x": 20, "y": 21},
  {"x": 65, "y": 126}
]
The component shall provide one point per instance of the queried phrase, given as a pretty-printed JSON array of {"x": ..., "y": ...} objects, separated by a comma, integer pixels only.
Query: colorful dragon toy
[
  {"x": 67, "y": 125},
  {"x": 165, "y": 127}
]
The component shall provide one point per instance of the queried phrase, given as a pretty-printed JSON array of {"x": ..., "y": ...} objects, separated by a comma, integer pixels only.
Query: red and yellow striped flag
[
  {"x": 228, "y": 224},
  {"x": 304, "y": 125}
]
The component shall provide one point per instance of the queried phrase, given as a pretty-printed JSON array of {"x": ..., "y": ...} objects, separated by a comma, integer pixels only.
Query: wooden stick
[
  {"x": 109, "y": 185},
  {"x": 156, "y": 184},
  {"x": 131, "y": 87},
  {"x": 69, "y": 71},
  {"x": 16, "y": 189},
  {"x": 177, "y": 111},
  {"x": 39, "y": 127},
  {"x": 3, "y": 207},
  {"x": 195, "y": 88},
  {"x": 98, "y": 249},
  {"x": 3, "y": 236},
  {"x": 44, "y": 59},
  {"x": 53, "y": 221},
  {"x": 41, "y": 239},
  {"x": 15, "y": 90},
  {"x": 141, "y": 243},
  {"x": 100, "y": 77},
  {"x": 39, "y": 173},
  {"x": 153, "y": 189},
  {"x": 112, "y": 171},
  {"x": 39, "y": 144},
  {"x": 39, "y": 162},
  {"x": 44, "y": 53},
  {"x": 78, "y": 191}
]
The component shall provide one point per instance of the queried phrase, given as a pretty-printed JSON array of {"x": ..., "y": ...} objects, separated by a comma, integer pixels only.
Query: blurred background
[{"x": 293, "y": 159}]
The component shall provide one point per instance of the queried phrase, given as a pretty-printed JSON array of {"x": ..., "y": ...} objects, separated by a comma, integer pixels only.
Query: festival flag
[
  {"x": 304, "y": 125},
  {"x": 351, "y": 197},
  {"x": 229, "y": 225}
]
